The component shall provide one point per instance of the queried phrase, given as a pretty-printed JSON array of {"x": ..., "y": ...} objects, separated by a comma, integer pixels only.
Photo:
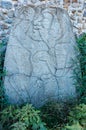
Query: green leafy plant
[
  {"x": 3, "y": 100},
  {"x": 79, "y": 75},
  {"x": 75, "y": 126},
  {"x": 78, "y": 114},
  {"x": 19, "y": 126},
  {"x": 18, "y": 118},
  {"x": 8, "y": 116},
  {"x": 55, "y": 114},
  {"x": 77, "y": 118}
]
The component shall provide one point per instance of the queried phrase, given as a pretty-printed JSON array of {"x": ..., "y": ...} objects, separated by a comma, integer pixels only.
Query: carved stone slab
[{"x": 38, "y": 56}]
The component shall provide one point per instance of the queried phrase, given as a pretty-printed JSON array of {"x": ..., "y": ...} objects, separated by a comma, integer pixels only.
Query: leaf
[{"x": 74, "y": 127}]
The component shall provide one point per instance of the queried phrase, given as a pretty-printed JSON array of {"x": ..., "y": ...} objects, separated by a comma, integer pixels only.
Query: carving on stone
[{"x": 38, "y": 56}]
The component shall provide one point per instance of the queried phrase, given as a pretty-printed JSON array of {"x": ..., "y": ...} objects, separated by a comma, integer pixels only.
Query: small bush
[
  {"x": 55, "y": 114},
  {"x": 21, "y": 118},
  {"x": 77, "y": 118},
  {"x": 3, "y": 100},
  {"x": 80, "y": 73}
]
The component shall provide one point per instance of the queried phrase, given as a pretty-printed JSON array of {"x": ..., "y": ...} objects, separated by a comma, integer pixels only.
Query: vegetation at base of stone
[
  {"x": 56, "y": 114},
  {"x": 22, "y": 118},
  {"x": 77, "y": 118},
  {"x": 64, "y": 116},
  {"x": 27, "y": 117},
  {"x": 2, "y": 74},
  {"x": 80, "y": 70}
]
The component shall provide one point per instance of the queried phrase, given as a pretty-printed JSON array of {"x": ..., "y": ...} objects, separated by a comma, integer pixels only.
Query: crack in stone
[{"x": 40, "y": 55}]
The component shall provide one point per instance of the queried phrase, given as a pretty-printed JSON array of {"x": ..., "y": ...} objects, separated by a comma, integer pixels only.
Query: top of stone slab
[{"x": 38, "y": 4}]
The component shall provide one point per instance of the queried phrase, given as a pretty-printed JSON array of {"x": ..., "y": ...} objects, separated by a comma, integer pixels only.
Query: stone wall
[{"x": 77, "y": 12}]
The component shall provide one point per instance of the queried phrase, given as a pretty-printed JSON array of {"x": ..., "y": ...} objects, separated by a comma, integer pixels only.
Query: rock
[
  {"x": 84, "y": 5},
  {"x": 5, "y": 39},
  {"x": 8, "y": 7},
  {"x": 11, "y": 14},
  {"x": 5, "y": 26},
  {"x": 9, "y": 21},
  {"x": 38, "y": 56},
  {"x": 84, "y": 14},
  {"x": 3, "y": 49},
  {"x": 4, "y": 11},
  {"x": 6, "y": 4}
]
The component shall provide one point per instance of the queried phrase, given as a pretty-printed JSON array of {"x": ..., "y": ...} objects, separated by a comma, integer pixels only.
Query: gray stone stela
[{"x": 38, "y": 56}]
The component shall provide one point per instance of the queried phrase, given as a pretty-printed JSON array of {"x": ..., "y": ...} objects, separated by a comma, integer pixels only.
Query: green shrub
[
  {"x": 77, "y": 118},
  {"x": 21, "y": 118},
  {"x": 75, "y": 126},
  {"x": 3, "y": 100},
  {"x": 55, "y": 114},
  {"x": 80, "y": 73}
]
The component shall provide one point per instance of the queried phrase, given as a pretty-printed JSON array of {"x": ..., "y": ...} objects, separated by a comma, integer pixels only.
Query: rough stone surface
[
  {"x": 75, "y": 8},
  {"x": 38, "y": 56},
  {"x": 6, "y": 4}
]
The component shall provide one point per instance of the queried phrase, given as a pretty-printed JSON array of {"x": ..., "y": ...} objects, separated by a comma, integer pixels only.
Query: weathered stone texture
[
  {"x": 38, "y": 56},
  {"x": 77, "y": 13}
]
